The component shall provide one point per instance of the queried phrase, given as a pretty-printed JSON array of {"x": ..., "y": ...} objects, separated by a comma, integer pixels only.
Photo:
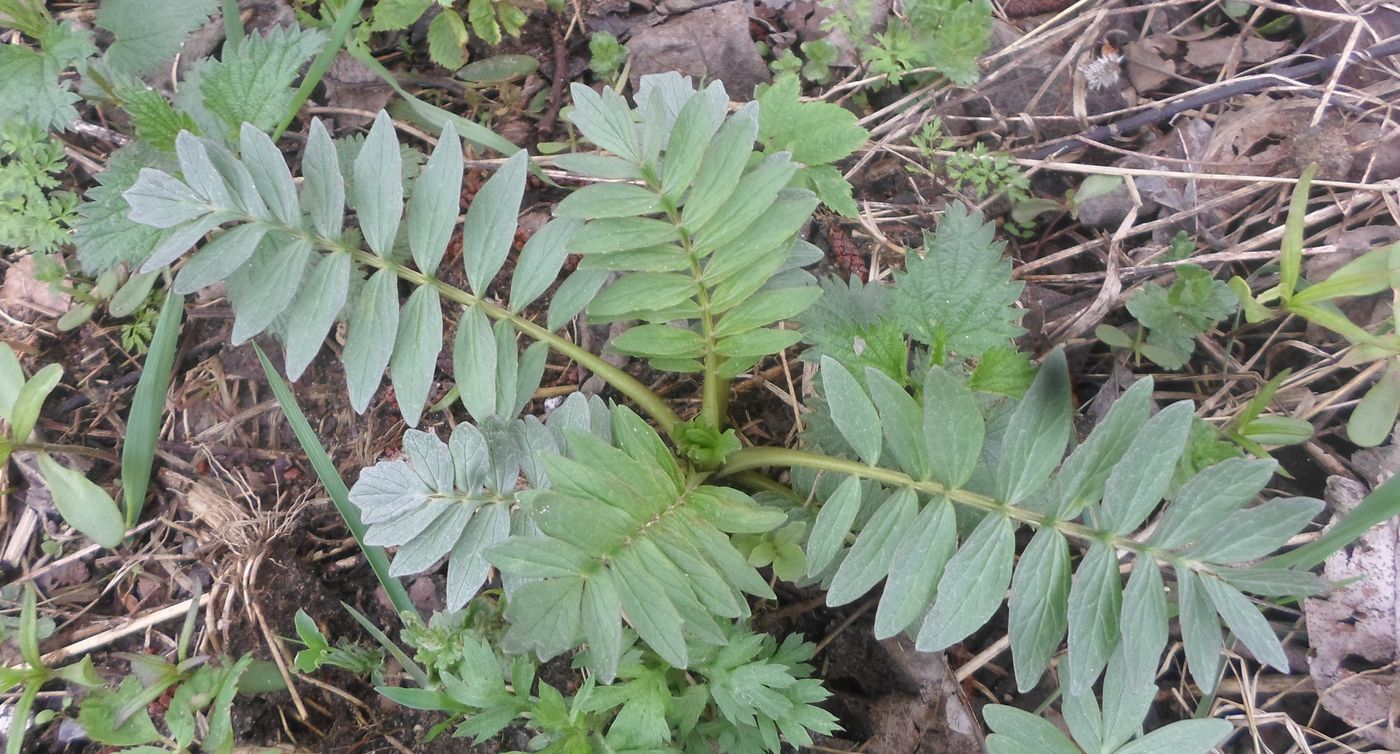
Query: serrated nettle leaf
[
  {"x": 1245, "y": 622},
  {"x": 160, "y": 201},
  {"x": 608, "y": 200},
  {"x": 84, "y": 505},
  {"x": 323, "y": 186},
  {"x": 378, "y": 194},
  {"x": 1138, "y": 482},
  {"x": 474, "y": 364},
  {"x": 1144, "y": 623},
  {"x": 632, "y": 296},
  {"x": 432, "y": 210},
  {"x": 832, "y": 524},
  {"x": 264, "y": 287},
  {"x": 1200, "y": 631},
  {"x": 851, "y": 410},
  {"x": 611, "y": 235},
  {"x": 416, "y": 348},
  {"x": 919, "y": 558},
  {"x": 1095, "y": 603},
  {"x": 1039, "y": 599},
  {"x": 270, "y": 174},
  {"x": 199, "y": 172},
  {"x": 540, "y": 261},
  {"x": 973, "y": 584},
  {"x": 573, "y": 295},
  {"x": 953, "y": 429},
  {"x": 903, "y": 427},
  {"x": 489, "y": 230},
  {"x": 313, "y": 314},
  {"x": 870, "y": 557},
  {"x": 1082, "y": 477},
  {"x": 1208, "y": 498},
  {"x": 606, "y": 120},
  {"x": 766, "y": 307},
  {"x": 1256, "y": 532},
  {"x": 219, "y": 258},
  {"x": 1035, "y": 439},
  {"x": 369, "y": 343},
  {"x": 1020, "y": 732},
  {"x": 724, "y": 161},
  {"x": 661, "y": 341}
]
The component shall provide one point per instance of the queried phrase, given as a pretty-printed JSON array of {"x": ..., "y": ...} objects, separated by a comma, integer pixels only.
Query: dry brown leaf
[
  {"x": 1353, "y": 629},
  {"x": 1149, "y": 62},
  {"x": 22, "y": 294},
  {"x": 1210, "y": 54}
]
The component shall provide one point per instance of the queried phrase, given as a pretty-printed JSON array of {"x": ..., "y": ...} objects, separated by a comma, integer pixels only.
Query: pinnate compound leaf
[
  {"x": 1182, "y": 737},
  {"x": 1245, "y": 622},
  {"x": 220, "y": 258},
  {"x": 84, "y": 505},
  {"x": 1016, "y": 731},
  {"x": 1095, "y": 603},
  {"x": 489, "y": 229},
  {"x": 972, "y": 586},
  {"x": 540, "y": 261},
  {"x": 608, "y": 200},
  {"x": 606, "y": 120},
  {"x": 851, "y": 410},
  {"x": 474, "y": 364},
  {"x": 312, "y": 315},
  {"x": 832, "y": 525},
  {"x": 1143, "y": 627},
  {"x": 1039, "y": 596},
  {"x": 264, "y": 287},
  {"x": 160, "y": 201},
  {"x": 432, "y": 210},
  {"x": 1139, "y": 480},
  {"x": 725, "y": 159},
  {"x": 1253, "y": 533},
  {"x": 900, "y": 417},
  {"x": 1208, "y": 498},
  {"x": 416, "y": 347},
  {"x": 1200, "y": 630},
  {"x": 1039, "y": 430},
  {"x": 323, "y": 190},
  {"x": 369, "y": 343},
  {"x": 870, "y": 557},
  {"x": 919, "y": 558},
  {"x": 378, "y": 194},
  {"x": 1082, "y": 477},
  {"x": 953, "y": 429}
]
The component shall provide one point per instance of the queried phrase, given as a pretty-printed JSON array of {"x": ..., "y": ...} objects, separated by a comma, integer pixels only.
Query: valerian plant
[{"x": 933, "y": 449}]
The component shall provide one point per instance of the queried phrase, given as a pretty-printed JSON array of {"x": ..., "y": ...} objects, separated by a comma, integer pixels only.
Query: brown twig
[
  {"x": 556, "y": 89},
  {"x": 1214, "y": 93}
]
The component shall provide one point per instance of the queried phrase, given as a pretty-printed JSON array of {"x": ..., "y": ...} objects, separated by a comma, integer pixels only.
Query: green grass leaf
[{"x": 147, "y": 407}]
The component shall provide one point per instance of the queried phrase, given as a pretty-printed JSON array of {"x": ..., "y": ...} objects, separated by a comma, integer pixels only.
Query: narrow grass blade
[
  {"x": 1381, "y": 504},
  {"x": 335, "y": 486},
  {"x": 147, "y": 407}
]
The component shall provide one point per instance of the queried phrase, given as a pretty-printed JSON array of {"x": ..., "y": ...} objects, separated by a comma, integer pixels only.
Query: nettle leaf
[
  {"x": 147, "y": 33},
  {"x": 957, "y": 296},
  {"x": 252, "y": 83},
  {"x": 660, "y": 541}
]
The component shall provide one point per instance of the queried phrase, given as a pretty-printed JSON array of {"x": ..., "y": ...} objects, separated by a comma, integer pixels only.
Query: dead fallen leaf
[
  {"x": 22, "y": 294},
  {"x": 1353, "y": 629},
  {"x": 1149, "y": 62},
  {"x": 1210, "y": 54}
]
